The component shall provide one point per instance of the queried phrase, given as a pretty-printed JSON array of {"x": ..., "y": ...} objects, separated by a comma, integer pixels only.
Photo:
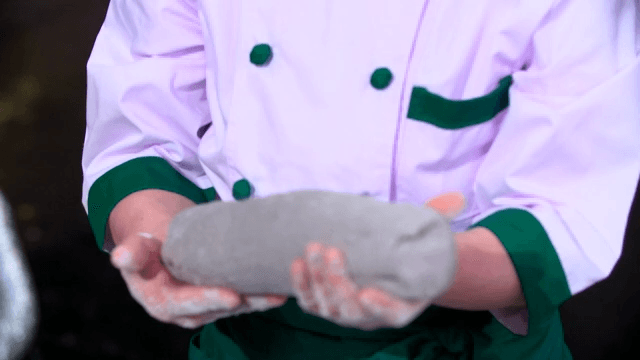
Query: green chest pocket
[{"x": 451, "y": 114}]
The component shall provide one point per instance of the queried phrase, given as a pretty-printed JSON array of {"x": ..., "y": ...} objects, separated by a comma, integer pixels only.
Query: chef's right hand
[{"x": 173, "y": 301}]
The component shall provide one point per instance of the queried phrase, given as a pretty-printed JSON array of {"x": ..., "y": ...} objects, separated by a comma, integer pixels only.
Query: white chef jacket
[{"x": 530, "y": 108}]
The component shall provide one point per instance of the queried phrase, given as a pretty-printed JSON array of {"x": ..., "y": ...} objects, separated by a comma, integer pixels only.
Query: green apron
[{"x": 288, "y": 333}]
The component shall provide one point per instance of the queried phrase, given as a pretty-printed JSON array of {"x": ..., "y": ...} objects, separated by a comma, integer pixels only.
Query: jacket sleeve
[
  {"x": 146, "y": 101},
  {"x": 556, "y": 186}
]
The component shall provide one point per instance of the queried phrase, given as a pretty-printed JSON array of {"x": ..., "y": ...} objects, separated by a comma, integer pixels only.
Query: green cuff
[
  {"x": 135, "y": 175},
  {"x": 541, "y": 275}
]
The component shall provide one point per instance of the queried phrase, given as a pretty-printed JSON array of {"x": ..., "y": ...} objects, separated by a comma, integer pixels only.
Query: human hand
[
  {"x": 323, "y": 288},
  {"x": 173, "y": 301}
]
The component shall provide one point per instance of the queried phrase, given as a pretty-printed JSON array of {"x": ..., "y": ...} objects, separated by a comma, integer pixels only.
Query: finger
[
  {"x": 195, "y": 321},
  {"x": 250, "y": 305},
  {"x": 264, "y": 303},
  {"x": 370, "y": 300},
  {"x": 135, "y": 252},
  {"x": 317, "y": 271},
  {"x": 302, "y": 285},
  {"x": 194, "y": 300},
  {"x": 188, "y": 323},
  {"x": 276, "y": 300},
  {"x": 402, "y": 314},
  {"x": 179, "y": 298},
  {"x": 393, "y": 311},
  {"x": 343, "y": 303},
  {"x": 409, "y": 313},
  {"x": 333, "y": 282},
  {"x": 449, "y": 205}
]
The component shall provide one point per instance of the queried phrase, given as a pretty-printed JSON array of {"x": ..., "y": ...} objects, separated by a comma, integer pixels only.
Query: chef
[{"x": 519, "y": 121}]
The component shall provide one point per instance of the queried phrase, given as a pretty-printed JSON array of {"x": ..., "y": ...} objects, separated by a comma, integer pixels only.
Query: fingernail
[
  {"x": 336, "y": 266},
  {"x": 278, "y": 300},
  {"x": 212, "y": 294},
  {"x": 375, "y": 309},
  {"x": 335, "y": 257},
  {"x": 188, "y": 324},
  {"x": 122, "y": 258},
  {"x": 258, "y": 303},
  {"x": 314, "y": 256},
  {"x": 221, "y": 298}
]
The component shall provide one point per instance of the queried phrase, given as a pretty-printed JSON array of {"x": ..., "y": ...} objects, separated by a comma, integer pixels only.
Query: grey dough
[{"x": 249, "y": 245}]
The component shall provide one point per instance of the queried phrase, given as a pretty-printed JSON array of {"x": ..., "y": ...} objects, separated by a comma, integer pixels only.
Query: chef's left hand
[{"x": 323, "y": 288}]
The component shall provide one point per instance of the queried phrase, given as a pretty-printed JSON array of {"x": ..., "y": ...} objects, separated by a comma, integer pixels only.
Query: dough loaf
[{"x": 249, "y": 245}]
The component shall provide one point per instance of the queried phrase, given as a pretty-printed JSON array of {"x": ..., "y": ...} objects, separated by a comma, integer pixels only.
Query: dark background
[{"x": 86, "y": 310}]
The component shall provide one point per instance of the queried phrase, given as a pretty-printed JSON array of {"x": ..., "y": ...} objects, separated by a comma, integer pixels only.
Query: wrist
[
  {"x": 485, "y": 277},
  {"x": 149, "y": 211}
]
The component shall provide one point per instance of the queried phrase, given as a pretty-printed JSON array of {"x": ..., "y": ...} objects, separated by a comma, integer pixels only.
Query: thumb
[
  {"x": 448, "y": 205},
  {"x": 135, "y": 252}
]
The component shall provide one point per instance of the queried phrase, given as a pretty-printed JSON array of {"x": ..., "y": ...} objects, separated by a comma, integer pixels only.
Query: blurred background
[{"x": 86, "y": 311}]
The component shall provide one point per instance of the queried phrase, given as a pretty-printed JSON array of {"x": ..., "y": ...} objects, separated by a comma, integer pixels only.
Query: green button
[
  {"x": 261, "y": 54},
  {"x": 242, "y": 189},
  {"x": 381, "y": 78}
]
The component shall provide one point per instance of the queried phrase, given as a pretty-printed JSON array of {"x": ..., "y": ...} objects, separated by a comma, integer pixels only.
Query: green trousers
[{"x": 288, "y": 333}]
